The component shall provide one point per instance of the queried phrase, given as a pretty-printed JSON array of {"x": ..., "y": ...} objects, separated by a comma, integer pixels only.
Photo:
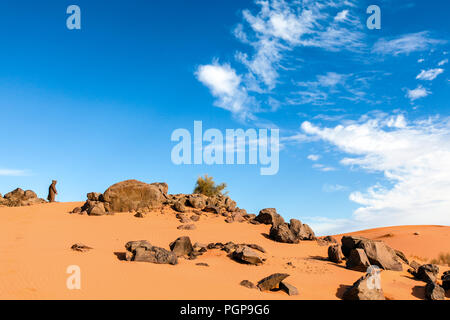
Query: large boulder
[
  {"x": 182, "y": 246},
  {"x": 381, "y": 255},
  {"x": 246, "y": 255},
  {"x": 143, "y": 251},
  {"x": 269, "y": 216},
  {"x": 133, "y": 195},
  {"x": 197, "y": 201},
  {"x": 364, "y": 289},
  {"x": 378, "y": 252},
  {"x": 335, "y": 253},
  {"x": 427, "y": 273},
  {"x": 358, "y": 260},
  {"x": 301, "y": 231}
]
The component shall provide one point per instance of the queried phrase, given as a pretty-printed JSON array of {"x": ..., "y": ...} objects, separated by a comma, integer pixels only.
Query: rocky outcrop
[
  {"x": 377, "y": 252},
  {"x": 143, "y": 251},
  {"x": 335, "y": 253},
  {"x": 291, "y": 232},
  {"x": 20, "y": 198},
  {"x": 364, "y": 289}
]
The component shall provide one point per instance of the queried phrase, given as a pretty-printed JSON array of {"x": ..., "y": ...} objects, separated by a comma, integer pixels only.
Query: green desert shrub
[{"x": 206, "y": 186}]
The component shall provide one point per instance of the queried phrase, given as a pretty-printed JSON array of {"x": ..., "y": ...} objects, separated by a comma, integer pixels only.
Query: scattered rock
[
  {"x": 182, "y": 246},
  {"x": 143, "y": 251},
  {"x": 212, "y": 209},
  {"x": 202, "y": 264},
  {"x": 433, "y": 291},
  {"x": 80, "y": 247},
  {"x": 256, "y": 247},
  {"x": 94, "y": 196},
  {"x": 140, "y": 214},
  {"x": 301, "y": 231},
  {"x": 269, "y": 216},
  {"x": 195, "y": 218},
  {"x": 288, "y": 288},
  {"x": 271, "y": 282},
  {"x": 248, "y": 284},
  {"x": 417, "y": 233},
  {"x": 187, "y": 227},
  {"x": 76, "y": 210},
  {"x": 363, "y": 289},
  {"x": 358, "y": 260},
  {"x": 246, "y": 255},
  {"x": 197, "y": 201},
  {"x": 330, "y": 239},
  {"x": 335, "y": 253}
]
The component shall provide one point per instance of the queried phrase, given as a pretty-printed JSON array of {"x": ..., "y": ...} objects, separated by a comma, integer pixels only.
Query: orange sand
[{"x": 35, "y": 253}]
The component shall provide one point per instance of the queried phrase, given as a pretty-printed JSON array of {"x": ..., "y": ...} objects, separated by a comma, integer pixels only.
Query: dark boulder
[
  {"x": 363, "y": 289},
  {"x": 246, "y": 255},
  {"x": 433, "y": 291},
  {"x": 358, "y": 260},
  {"x": 269, "y": 216},
  {"x": 335, "y": 253},
  {"x": 143, "y": 251},
  {"x": 271, "y": 282},
  {"x": 182, "y": 246}
]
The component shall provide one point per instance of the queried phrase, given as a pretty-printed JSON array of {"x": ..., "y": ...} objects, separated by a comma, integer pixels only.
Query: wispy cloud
[
  {"x": 272, "y": 32},
  {"x": 406, "y": 44},
  {"x": 13, "y": 173},
  {"x": 429, "y": 75},
  {"x": 414, "y": 158},
  {"x": 443, "y": 62}
]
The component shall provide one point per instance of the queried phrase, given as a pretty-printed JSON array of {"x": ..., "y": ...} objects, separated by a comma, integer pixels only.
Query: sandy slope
[{"x": 35, "y": 253}]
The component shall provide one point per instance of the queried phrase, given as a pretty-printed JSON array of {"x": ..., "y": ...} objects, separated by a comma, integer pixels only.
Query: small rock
[
  {"x": 140, "y": 214},
  {"x": 202, "y": 264},
  {"x": 269, "y": 216},
  {"x": 363, "y": 289},
  {"x": 433, "y": 291},
  {"x": 288, "y": 288},
  {"x": 77, "y": 210},
  {"x": 446, "y": 280},
  {"x": 271, "y": 282},
  {"x": 248, "y": 284},
  {"x": 80, "y": 247},
  {"x": 195, "y": 218},
  {"x": 187, "y": 227}
]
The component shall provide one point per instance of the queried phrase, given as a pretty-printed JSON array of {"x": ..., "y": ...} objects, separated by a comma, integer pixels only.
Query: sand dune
[{"x": 35, "y": 253}]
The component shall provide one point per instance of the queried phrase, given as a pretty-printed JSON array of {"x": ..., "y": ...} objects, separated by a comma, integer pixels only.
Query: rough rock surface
[
  {"x": 269, "y": 216},
  {"x": 288, "y": 288},
  {"x": 358, "y": 260},
  {"x": 291, "y": 232},
  {"x": 378, "y": 252},
  {"x": 446, "y": 280},
  {"x": 182, "y": 246},
  {"x": 248, "y": 284},
  {"x": 271, "y": 282},
  {"x": 363, "y": 290},
  {"x": 20, "y": 198},
  {"x": 143, "y": 251},
  {"x": 245, "y": 254},
  {"x": 433, "y": 291},
  {"x": 427, "y": 273},
  {"x": 335, "y": 253}
]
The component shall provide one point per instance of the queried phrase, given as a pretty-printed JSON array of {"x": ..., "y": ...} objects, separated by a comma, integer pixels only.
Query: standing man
[{"x": 52, "y": 192}]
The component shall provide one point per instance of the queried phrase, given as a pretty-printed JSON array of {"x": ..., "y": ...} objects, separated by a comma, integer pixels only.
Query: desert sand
[{"x": 35, "y": 253}]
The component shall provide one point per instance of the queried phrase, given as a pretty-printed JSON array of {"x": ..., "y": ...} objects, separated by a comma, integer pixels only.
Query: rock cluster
[
  {"x": 143, "y": 251},
  {"x": 429, "y": 274},
  {"x": 362, "y": 252},
  {"x": 291, "y": 232},
  {"x": 20, "y": 198}
]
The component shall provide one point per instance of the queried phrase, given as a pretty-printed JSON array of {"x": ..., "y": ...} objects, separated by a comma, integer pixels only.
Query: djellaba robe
[{"x": 52, "y": 192}]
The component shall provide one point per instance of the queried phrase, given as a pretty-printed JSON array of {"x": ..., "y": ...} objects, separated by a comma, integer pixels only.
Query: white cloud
[
  {"x": 313, "y": 157},
  {"x": 419, "y": 92},
  {"x": 406, "y": 44},
  {"x": 414, "y": 158},
  {"x": 225, "y": 85},
  {"x": 420, "y": 60},
  {"x": 333, "y": 188},
  {"x": 429, "y": 75},
  {"x": 13, "y": 173},
  {"x": 443, "y": 62},
  {"x": 274, "y": 30},
  {"x": 323, "y": 168}
]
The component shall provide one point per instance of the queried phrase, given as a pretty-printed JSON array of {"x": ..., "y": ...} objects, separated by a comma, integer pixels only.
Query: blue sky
[{"x": 363, "y": 114}]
